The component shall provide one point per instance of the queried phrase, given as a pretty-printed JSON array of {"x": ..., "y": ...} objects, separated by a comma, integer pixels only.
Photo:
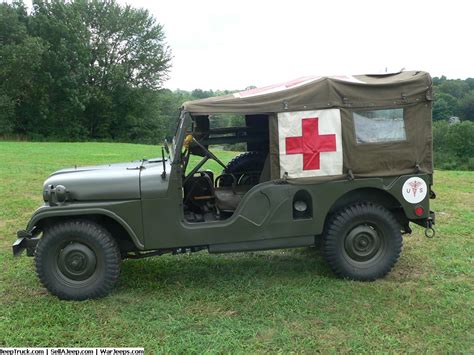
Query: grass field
[{"x": 279, "y": 301}]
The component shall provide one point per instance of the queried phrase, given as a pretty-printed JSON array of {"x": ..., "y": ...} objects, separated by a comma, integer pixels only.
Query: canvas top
[
  {"x": 317, "y": 92},
  {"x": 357, "y": 110}
]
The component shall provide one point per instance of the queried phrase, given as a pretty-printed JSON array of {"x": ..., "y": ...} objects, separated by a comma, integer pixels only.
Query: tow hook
[{"x": 429, "y": 230}]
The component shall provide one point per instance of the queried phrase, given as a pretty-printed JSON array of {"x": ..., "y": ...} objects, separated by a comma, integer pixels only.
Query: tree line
[
  {"x": 453, "y": 98},
  {"x": 453, "y": 126},
  {"x": 83, "y": 70},
  {"x": 94, "y": 70}
]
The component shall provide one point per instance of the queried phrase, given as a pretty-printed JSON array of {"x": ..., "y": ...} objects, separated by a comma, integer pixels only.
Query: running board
[{"x": 280, "y": 243}]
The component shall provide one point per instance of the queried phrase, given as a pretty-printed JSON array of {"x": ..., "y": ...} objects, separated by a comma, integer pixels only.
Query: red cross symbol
[{"x": 311, "y": 144}]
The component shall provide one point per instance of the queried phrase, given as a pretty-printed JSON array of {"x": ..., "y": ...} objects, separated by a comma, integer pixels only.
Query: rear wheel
[
  {"x": 77, "y": 260},
  {"x": 362, "y": 242}
]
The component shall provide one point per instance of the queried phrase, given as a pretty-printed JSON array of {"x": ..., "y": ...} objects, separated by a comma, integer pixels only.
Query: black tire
[
  {"x": 77, "y": 260},
  {"x": 246, "y": 162},
  {"x": 362, "y": 242}
]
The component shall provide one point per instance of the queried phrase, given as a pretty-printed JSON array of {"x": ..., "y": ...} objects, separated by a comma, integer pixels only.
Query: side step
[{"x": 280, "y": 243}]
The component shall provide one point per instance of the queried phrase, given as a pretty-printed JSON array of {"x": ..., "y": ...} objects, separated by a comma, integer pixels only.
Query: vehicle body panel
[
  {"x": 264, "y": 213},
  {"x": 99, "y": 183}
]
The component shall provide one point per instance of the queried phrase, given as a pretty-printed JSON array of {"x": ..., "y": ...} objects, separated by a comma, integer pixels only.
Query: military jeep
[{"x": 343, "y": 162}]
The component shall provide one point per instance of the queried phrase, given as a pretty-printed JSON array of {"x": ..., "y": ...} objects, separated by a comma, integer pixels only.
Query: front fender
[{"x": 126, "y": 213}]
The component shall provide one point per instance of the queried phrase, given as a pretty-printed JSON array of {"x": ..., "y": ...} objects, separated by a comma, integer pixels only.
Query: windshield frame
[{"x": 177, "y": 143}]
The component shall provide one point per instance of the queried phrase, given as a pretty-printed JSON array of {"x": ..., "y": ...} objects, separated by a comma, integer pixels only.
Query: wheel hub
[
  {"x": 362, "y": 243},
  {"x": 77, "y": 261}
]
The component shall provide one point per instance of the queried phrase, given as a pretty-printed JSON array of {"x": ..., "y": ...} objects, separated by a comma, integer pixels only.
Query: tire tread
[
  {"x": 335, "y": 226},
  {"x": 103, "y": 238}
]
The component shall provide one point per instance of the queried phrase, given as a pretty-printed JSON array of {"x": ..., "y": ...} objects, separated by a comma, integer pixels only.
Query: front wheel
[
  {"x": 77, "y": 260},
  {"x": 362, "y": 242}
]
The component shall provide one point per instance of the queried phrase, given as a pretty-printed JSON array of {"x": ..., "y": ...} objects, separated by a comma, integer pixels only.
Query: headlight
[
  {"x": 55, "y": 194},
  {"x": 61, "y": 193}
]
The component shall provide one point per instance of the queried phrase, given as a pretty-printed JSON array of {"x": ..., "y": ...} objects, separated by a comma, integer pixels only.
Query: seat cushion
[{"x": 227, "y": 199}]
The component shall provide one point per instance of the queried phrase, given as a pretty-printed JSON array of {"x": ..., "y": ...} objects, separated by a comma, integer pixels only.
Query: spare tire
[{"x": 250, "y": 163}]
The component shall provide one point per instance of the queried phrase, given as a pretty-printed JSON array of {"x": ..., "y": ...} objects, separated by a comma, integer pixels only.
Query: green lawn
[{"x": 279, "y": 301}]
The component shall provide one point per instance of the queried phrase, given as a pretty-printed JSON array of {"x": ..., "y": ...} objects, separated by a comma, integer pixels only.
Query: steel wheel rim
[
  {"x": 363, "y": 243},
  {"x": 76, "y": 261}
]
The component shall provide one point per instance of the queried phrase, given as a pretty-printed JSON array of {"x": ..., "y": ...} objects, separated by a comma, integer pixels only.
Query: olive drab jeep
[{"x": 344, "y": 162}]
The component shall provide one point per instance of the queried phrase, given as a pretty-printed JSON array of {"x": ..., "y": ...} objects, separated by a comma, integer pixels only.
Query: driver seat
[{"x": 229, "y": 197}]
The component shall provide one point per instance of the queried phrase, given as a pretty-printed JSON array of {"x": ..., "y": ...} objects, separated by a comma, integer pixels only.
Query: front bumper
[{"x": 25, "y": 241}]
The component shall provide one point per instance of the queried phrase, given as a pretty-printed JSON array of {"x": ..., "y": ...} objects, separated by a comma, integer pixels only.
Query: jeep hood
[{"x": 119, "y": 181}]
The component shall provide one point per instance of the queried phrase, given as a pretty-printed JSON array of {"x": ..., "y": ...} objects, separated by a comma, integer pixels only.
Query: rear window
[{"x": 379, "y": 126}]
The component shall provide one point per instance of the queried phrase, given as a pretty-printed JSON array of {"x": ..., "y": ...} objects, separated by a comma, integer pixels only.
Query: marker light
[{"x": 419, "y": 211}]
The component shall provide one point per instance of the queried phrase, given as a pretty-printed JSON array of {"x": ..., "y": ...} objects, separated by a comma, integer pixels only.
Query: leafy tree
[
  {"x": 127, "y": 46},
  {"x": 81, "y": 70},
  {"x": 453, "y": 98},
  {"x": 459, "y": 139},
  {"x": 437, "y": 81},
  {"x": 60, "y": 81},
  {"x": 169, "y": 107},
  {"x": 7, "y": 111},
  {"x": 455, "y": 88},
  {"x": 444, "y": 106},
  {"x": 470, "y": 82},
  {"x": 201, "y": 94},
  {"x": 453, "y": 145},
  {"x": 467, "y": 106},
  {"x": 440, "y": 128},
  {"x": 20, "y": 60}
]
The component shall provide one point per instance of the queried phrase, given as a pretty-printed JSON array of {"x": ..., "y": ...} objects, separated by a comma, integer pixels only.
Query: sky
[{"x": 236, "y": 44}]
